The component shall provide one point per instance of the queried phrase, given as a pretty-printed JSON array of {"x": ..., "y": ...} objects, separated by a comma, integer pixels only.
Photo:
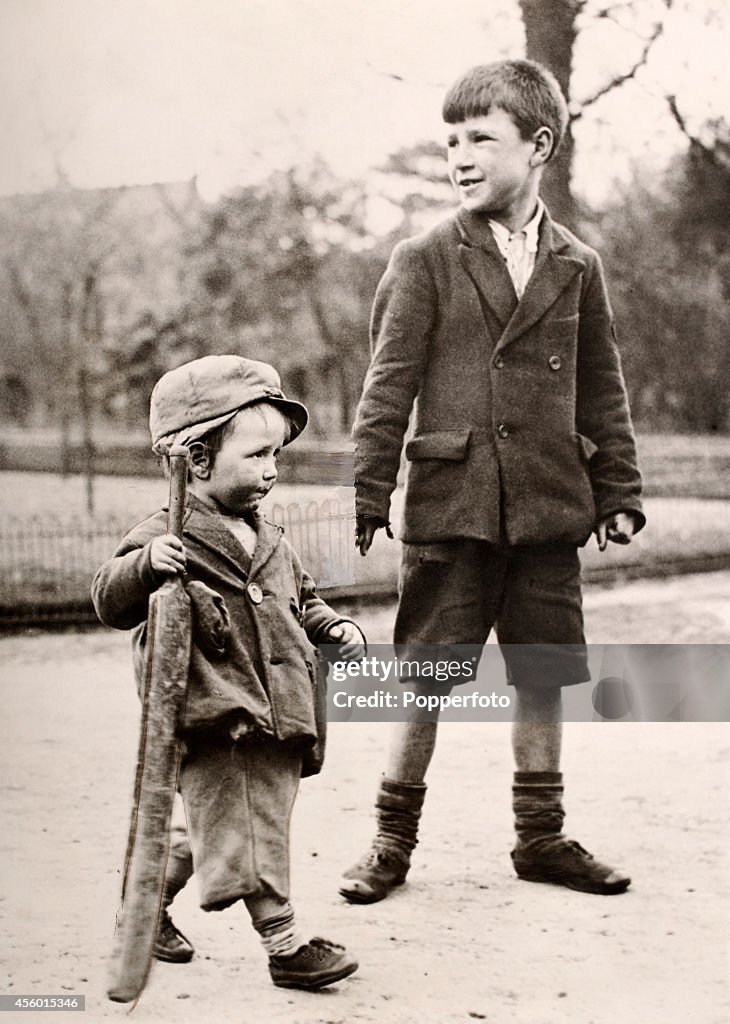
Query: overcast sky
[{"x": 134, "y": 91}]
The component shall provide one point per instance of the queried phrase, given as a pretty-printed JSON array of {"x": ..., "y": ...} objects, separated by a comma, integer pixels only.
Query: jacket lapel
[
  {"x": 485, "y": 266},
  {"x": 268, "y": 538},
  {"x": 210, "y": 531},
  {"x": 552, "y": 274}
]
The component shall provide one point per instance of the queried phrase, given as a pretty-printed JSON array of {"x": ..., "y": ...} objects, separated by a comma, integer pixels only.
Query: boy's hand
[
  {"x": 350, "y": 640},
  {"x": 167, "y": 555},
  {"x": 365, "y": 529},
  {"x": 618, "y": 528}
]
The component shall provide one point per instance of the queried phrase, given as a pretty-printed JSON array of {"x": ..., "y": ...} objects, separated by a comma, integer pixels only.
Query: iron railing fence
[{"x": 47, "y": 562}]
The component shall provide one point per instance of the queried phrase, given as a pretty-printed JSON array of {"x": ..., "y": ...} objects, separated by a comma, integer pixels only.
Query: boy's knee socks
[
  {"x": 537, "y": 801},
  {"x": 399, "y": 808}
]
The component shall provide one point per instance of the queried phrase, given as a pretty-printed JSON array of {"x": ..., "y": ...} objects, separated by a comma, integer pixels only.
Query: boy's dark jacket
[
  {"x": 266, "y": 676},
  {"x": 521, "y": 428}
]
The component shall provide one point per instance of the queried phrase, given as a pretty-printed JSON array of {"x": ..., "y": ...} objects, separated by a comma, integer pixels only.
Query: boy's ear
[
  {"x": 543, "y": 141},
  {"x": 199, "y": 460}
]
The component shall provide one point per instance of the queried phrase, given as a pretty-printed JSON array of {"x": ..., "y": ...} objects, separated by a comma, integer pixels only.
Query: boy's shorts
[
  {"x": 455, "y": 592},
  {"x": 238, "y": 801}
]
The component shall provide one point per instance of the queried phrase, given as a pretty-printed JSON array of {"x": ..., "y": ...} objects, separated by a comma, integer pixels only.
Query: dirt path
[{"x": 464, "y": 940}]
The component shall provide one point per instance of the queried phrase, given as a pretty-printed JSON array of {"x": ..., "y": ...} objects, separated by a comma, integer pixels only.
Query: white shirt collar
[{"x": 502, "y": 234}]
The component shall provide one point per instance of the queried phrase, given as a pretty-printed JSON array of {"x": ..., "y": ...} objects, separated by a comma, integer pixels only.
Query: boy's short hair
[{"x": 524, "y": 89}]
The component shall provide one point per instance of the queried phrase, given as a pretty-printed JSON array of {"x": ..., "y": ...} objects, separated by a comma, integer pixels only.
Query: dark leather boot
[
  {"x": 543, "y": 853},
  {"x": 171, "y": 946},
  {"x": 386, "y": 863}
]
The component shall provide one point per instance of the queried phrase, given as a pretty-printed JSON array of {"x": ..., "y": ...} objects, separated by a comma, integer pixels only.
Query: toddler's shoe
[
  {"x": 171, "y": 946},
  {"x": 565, "y": 862},
  {"x": 374, "y": 875},
  {"x": 313, "y": 966}
]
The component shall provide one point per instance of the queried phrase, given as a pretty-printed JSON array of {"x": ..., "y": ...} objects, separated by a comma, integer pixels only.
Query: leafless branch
[
  {"x": 681, "y": 123},
  {"x": 25, "y": 301},
  {"x": 55, "y": 141},
  {"x": 695, "y": 141},
  {"x": 180, "y": 215},
  {"x": 608, "y": 12},
  {"x": 628, "y": 75}
]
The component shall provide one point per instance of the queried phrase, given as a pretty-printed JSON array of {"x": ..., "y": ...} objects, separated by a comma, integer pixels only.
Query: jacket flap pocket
[
  {"x": 439, "y": 444},
  {"x": 587, "y": 446}
]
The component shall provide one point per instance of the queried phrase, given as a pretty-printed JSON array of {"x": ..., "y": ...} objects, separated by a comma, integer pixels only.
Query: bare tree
[{"x": 551, "y": 31}]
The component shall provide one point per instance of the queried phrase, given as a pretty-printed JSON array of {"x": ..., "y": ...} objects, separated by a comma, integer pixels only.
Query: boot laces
[
  {"x": 321, "y": 950},
  {"x": 166, "y": 929},
  {"x": 165, "y": 921},
  {"x": 580, "y": 850},
  {"x": 379, "y": 855}
]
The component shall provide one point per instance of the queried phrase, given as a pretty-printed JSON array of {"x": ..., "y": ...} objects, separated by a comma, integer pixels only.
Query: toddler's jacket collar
[{"x": 209, "y": 529}]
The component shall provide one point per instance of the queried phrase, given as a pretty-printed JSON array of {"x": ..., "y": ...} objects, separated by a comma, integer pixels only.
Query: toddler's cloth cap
[{"x": 195, "y": 398}]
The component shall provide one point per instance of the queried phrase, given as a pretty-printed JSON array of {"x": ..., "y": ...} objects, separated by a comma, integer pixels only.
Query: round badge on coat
[{"x": 255, "y": 593}]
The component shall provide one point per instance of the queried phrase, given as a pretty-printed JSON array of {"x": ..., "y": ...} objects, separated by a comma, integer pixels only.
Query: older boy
[
  {"x": 250, "y": 726},
  {"x": 494, "y": 328}
]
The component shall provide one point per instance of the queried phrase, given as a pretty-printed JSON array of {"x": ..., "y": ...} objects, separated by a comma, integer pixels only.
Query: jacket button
[
  {"x": 554, "y": 362},
  {"x": 498, "y": 362},
  {"x": 255, "y": 593},
  {"x": 502, "y": 430}
]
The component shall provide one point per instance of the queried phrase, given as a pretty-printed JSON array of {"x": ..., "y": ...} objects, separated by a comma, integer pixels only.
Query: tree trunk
[
  {"x": 90, "y": 329},
  {"x": 67, "y": 356},
  {"x": 550, "y": 34},
  {"x": 334, "y": 351}
]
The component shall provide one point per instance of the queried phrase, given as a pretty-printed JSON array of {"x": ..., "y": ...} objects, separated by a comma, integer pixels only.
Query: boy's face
[
  {"x": 244, "y": 470},
  {"x": 493, "y": 169}
]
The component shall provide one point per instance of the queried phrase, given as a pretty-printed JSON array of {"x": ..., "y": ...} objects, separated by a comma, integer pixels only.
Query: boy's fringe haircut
[{"x": 524, "y": 89}]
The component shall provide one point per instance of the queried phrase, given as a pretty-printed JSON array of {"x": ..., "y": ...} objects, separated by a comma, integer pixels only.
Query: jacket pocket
[
  {"x": 450, "y": 445},
  {"x": 587, "y": 448}
]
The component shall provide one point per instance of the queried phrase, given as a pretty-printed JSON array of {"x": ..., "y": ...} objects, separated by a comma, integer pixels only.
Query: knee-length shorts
[{"x": 456, "y": 592}]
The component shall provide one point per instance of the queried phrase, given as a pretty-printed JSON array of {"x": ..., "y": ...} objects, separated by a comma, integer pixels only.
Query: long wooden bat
[{"x": 158, "y": 763}]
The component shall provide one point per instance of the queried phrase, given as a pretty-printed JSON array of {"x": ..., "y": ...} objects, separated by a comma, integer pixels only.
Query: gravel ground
[{"x": 464, "y": 939}]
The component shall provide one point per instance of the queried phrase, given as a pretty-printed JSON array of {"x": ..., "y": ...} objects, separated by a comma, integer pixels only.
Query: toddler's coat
[{"x": 266, "y": 674}]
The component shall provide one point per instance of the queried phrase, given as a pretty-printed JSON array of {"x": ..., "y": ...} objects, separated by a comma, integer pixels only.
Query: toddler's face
[
  {"x": 244, "y": 470},
  {"x": 490, "y": 163}
]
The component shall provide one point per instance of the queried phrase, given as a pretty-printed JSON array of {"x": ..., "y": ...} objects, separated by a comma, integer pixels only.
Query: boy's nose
[
  {"x": 270, "y": 469},
  {"x": 464, "y": 157}
]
